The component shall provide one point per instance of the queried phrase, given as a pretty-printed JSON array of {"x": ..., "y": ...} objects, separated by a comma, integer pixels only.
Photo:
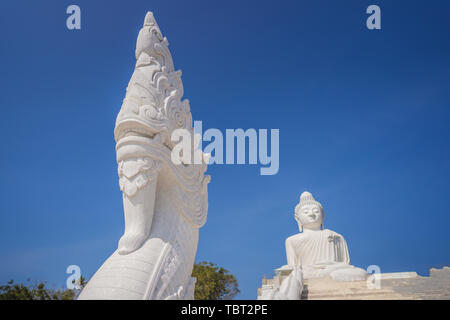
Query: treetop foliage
[{"x": 213, "y": 282}]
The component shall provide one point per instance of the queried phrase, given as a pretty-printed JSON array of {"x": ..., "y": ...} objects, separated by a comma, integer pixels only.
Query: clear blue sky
[{"x": 363, "y": 118}]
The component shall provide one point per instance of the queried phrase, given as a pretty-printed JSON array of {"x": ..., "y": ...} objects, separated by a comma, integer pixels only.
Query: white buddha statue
[
  {"x": 320, "y": 252},
  {"x": 315, "y": 252}
]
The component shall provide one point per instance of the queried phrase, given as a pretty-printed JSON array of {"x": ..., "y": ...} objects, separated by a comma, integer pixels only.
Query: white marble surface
[
  {"x": 315, "y": 252},
  {"x": 164, "y": 204}
]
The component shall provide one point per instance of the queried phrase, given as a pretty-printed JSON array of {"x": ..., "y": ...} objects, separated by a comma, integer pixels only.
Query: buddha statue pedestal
[{"x": 391, "y": 286}]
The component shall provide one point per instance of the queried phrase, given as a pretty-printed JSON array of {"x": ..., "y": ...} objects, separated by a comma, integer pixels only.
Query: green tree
[
  {"x": 38, "y": 291},
  {"x": 213, "y": 282}
]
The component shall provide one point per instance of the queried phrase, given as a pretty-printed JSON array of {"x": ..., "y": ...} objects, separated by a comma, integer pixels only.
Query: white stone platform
[{"x": 393, "y": 286}]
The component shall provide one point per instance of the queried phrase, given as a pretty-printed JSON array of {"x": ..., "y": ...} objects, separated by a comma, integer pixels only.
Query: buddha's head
[{"x": 309, "y": 213}]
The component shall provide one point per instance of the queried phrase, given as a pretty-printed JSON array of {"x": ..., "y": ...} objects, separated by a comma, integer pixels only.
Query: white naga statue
[
  {"x": 315, "y": 252},
  {"x": 164, "y": 204}
]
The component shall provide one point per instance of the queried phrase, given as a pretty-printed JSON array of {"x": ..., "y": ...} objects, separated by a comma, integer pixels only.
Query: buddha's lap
[
  {"x": 337, "y": 271},
  {"x": 350, "y": 273}
]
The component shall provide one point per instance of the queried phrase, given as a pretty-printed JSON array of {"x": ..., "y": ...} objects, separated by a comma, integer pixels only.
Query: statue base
[{"x": 384, "y": 286}]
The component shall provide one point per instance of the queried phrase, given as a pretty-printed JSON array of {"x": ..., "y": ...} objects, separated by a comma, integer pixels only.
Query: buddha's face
[{"x": 310, "y": 217}]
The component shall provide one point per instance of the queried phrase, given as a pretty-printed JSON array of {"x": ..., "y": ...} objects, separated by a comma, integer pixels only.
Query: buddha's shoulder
[
  {"x": 295, "y": 238},
  {"x": 299, "y": 237},
  {"x": 303, "y": 236},
  {"x": 333, "y": 233}
]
